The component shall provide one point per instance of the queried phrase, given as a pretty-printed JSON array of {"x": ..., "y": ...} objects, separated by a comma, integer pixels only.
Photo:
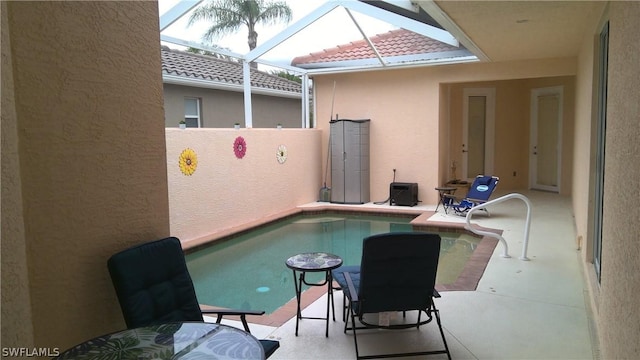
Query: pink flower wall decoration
[{"x": 239, "y": 147}]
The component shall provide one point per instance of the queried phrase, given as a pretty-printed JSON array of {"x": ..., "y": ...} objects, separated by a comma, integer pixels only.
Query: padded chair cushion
[
  {"x": 398, "y": 271},
  {"x": 338, "y": 276},
  {"x": 156, "y": 291},
  {"x": 394, "y": 262},
  {"x": 154, "y": 286}
]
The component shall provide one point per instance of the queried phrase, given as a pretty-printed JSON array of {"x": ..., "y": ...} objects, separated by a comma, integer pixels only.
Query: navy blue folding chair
[{"x": 479, "y": 193}]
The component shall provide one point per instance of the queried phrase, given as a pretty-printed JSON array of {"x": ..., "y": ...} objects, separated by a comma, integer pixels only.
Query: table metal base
[
  {"x": 299, "y": 281},
  {"x": 314, "y": 262},
  {"x": 442, "y": 195}
]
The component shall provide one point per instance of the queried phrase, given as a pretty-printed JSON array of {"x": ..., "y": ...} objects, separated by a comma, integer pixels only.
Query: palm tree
[{"x": 228, "y": 16}]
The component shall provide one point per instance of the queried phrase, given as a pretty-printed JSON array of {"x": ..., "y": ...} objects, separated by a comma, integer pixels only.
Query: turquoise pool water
[{"x": 249, "y": 271}]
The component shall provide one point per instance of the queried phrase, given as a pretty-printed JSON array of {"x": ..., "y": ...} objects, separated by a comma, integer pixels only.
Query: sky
[{"x": 333, "y": 29}]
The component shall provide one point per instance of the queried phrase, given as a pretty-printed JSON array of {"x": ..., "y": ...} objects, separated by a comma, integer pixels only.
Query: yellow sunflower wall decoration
[{"x": 188, "y": 161}]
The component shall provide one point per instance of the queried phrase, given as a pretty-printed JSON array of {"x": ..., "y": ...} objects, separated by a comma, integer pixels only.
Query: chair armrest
[
  {"x": 233, "y": 312},
  {"x": 436, "y": 294},
  {"x": 242, "y": 313},
  {"x": 476, "y": 201},
  {"x": 352, "y": 289}
]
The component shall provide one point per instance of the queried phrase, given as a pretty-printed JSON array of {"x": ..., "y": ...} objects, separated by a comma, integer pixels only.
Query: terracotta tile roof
[
  {"x": 393, "y": 43},
  {"x": 204, "y": 67}
]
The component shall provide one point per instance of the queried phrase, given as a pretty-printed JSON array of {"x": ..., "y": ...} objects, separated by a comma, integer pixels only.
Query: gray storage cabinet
[{"x": 350, "y": 161}]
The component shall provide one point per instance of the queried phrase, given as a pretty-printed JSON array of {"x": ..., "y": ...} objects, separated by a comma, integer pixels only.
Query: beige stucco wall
[
  {"x": 226, "y": 191},
  {"x": 444, "y": 155},
  {"x": 512, "y": 128},
  {"x": 584, "y": 150},
  {"x": 401, "y": 134},
  {"x": 614, "y": 300},
  {"x": 221, "y": 109},
  {"x": 408, "y": 119},
  {"x": 90, "y": 162},
  {"x": 620, "y": 284},
  {"x": 17, "y": 327}
]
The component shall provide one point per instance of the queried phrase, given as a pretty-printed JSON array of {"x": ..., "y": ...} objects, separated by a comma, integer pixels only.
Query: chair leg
[
  {"x": 346, "y": 314},
  {"x": 353, "y": 325},
  {"x": 344, "y": 307},
  {"x": 446, "y": 347},
  {"x": 243, "y": 318}
]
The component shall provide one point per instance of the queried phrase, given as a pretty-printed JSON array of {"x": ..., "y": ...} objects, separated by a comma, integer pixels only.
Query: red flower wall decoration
[{"x": 239, "y": 147}]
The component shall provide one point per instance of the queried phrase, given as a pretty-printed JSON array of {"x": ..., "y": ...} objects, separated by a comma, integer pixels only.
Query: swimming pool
[{"x": 248, "y": 271}]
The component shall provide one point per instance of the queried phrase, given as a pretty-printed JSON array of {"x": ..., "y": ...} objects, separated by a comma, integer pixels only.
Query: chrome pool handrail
[{"x": 505, "y": 252}]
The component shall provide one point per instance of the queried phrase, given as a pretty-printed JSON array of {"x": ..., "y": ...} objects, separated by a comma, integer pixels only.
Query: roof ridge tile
[
  {"x": 396, "y": 42},
  {"x": 183, "y": 63}
]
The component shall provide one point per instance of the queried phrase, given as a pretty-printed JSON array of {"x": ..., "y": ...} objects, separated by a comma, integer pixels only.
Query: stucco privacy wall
[
  {"x": 405, "y": 109},
  {"x": 620, "y": 286},
  {"x": 91, "y": 148},
  {"x": 226, "y": 191}
]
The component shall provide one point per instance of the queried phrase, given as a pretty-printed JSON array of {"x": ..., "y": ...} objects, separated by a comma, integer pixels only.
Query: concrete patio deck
[{"x": 520, "y": 310}]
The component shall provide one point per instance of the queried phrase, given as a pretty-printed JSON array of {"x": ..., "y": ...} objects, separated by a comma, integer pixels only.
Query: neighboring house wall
[
  {"x": 406, "y": 113},
  {"x": 221, "y": 109}
]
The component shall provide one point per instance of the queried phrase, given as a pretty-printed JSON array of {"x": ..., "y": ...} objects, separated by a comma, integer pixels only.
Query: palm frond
[
  {"x": 222, "y": 14},
  {"x": 276, "y": 12},
  {"x": 205, "y": 12},
  {"x": 227, "y": 16},
  {"x": 220, "y": 29}
]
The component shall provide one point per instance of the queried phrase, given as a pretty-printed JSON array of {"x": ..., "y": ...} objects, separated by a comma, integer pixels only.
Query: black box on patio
[{"x": 403, "y": 194}]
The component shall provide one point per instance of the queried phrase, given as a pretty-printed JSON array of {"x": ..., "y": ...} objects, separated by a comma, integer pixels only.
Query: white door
[
  {"x": 478, "y": 118},
  {"x": 545, "y": 151}
]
